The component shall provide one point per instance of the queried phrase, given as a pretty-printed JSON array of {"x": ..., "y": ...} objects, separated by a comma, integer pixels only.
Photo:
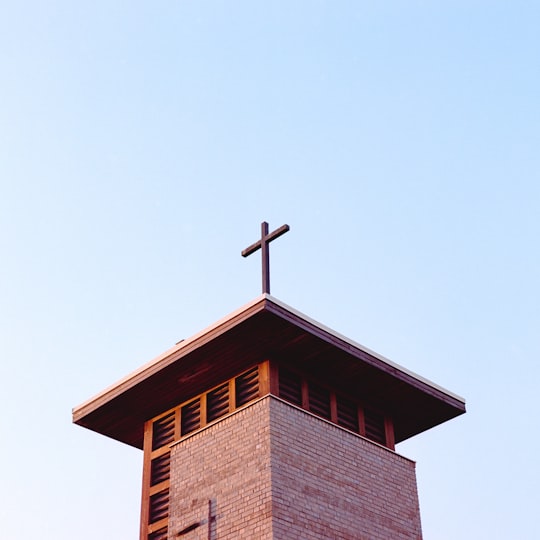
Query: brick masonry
[
  {"x": 273, "y": 471},
  {"x": 227, "y": 463}
]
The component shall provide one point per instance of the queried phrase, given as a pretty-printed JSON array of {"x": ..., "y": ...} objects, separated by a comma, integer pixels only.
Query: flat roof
[{"x": 266, "y": 328}]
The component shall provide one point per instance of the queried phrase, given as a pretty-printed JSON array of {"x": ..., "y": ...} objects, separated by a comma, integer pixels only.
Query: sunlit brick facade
[{"x": 273, "y": 471}]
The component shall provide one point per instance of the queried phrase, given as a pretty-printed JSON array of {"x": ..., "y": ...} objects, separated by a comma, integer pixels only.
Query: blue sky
[{"x": 141, "y": 146}]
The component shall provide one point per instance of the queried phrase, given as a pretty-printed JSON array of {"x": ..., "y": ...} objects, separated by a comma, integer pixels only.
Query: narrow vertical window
[
  {"x": 347, "y": 413},
  {"x": 247, "y": 386},
  {"x": 159, "y": 506},
  {"x": 319, "y": 400},
  {"x": 190, "y": 417},
  {"x": 157, "y": 475},
  {"x": 217, "y": 402},
  {"x": 163, "y": 431},
  {"x": 290, "y": 386},
  {"x": 375, "y": 429},
  {"x": 160, "y": 469}
]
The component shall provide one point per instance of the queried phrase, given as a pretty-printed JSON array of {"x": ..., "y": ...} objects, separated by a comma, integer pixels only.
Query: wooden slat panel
[
  {"x": 158, "y": 526},
  {"x": 347, "y": 413},
  {"x": 161, "y": 468},
  {"x": 319, "y": 400},
  {"x": 247, "y": 386},
  {"x": 163, "y": 431},
  {"x": 290, "y": 386},
  {"x": 375, "y": 426},
  {"x": 217, "y": 402},
  {"x": 159, "y": 535},
  {"x": 190, "y": 417},
  {"x": 159, "y": 506}
]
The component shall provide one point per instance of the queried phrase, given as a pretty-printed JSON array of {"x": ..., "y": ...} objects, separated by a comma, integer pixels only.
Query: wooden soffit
[{"x": 266, "y": 329}]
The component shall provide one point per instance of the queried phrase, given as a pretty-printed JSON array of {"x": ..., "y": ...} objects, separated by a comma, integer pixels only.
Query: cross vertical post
[
  {"x": 265, "y": 254},
  {"x": 262, "y": 244}
]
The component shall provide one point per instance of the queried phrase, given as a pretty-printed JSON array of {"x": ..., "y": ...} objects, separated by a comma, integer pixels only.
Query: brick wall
[
  {"x": 328, "y": 483},
  {"x": 227, "y": 463},
  {"x": 272, "y": 471}
]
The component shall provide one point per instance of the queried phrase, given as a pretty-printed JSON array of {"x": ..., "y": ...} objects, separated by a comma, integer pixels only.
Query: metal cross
[{"x": 262, "y": 244}]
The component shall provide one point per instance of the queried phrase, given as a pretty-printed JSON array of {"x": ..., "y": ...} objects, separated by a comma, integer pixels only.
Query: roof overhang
[{"x": 266, "y": 328}]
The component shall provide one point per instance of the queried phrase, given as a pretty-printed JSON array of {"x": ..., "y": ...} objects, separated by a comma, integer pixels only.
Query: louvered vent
[
  {"x": 161, "y": 468},
  {"x": 163, "y": 431},
  {"x": 159, "y": 535},
  {"x": 159, "y": 506},
  {"x": 347, "y": 413},
  {"x": 217, "y": 402},
  {"x": 319, "y": 400},
  {"x": 247, "y": 386},
  {"x": 290, "y": 386},
  {"x": 375, "y": 426},
  {"x": 190, "y": 417}
]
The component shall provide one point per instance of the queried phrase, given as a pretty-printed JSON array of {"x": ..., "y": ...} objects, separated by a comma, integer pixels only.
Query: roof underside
[{"x": 265, "y": 329}]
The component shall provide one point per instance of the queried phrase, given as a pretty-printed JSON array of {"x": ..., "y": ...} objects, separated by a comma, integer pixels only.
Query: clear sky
[{"x": 141, "y": 146}]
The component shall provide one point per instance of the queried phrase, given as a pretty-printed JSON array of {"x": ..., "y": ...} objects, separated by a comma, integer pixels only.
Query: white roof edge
[
  {"x": 380, "y": 357},
  {"x": 152, "y": 365}
]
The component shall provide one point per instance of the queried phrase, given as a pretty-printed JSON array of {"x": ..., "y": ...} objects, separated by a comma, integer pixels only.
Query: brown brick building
[{"x": 268, "y": 425}]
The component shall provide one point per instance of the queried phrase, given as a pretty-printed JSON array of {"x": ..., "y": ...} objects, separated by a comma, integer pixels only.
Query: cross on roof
[{"x": 262, "y": 244}]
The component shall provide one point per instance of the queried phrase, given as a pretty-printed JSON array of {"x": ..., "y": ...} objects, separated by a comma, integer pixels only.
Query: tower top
[{"x": 266, "y": 328}]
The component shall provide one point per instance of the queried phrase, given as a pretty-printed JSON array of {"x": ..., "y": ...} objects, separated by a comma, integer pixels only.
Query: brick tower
[{"x": 269, "y": 425}]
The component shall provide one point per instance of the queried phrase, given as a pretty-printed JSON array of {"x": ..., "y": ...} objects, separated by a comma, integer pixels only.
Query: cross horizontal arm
[
  {"x": 251, "y": 249},
  {"x": 272, "y": 236},
  {"x": 277, "y": 233}
]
